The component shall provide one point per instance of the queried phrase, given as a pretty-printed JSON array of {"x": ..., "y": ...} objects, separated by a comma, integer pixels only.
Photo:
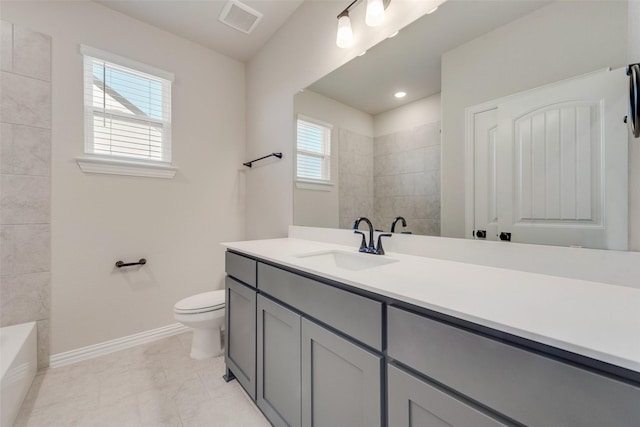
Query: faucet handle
[
  {"x": 379, "y": 250},
  {"x": 363, "y": 243}
]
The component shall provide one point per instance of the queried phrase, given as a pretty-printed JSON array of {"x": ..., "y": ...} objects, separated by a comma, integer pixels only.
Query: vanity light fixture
[
  {"x": 375, "y": 13},
  {"x": 400, "y": 94},
  {"x": 374, "y": 16},
  {"x": 344, "y": 39}
]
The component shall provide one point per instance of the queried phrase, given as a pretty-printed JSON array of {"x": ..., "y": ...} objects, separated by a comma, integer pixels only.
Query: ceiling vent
[{"x": 240, "y": 16}]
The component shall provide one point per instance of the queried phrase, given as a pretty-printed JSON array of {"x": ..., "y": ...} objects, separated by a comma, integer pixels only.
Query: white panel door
[
  {"x": 562, "y": 163},
  {"x": 485, "y": 128}
]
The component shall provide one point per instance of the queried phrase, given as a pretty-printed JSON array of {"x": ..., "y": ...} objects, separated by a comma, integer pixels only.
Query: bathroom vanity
[{"x": 319, "y": 334}]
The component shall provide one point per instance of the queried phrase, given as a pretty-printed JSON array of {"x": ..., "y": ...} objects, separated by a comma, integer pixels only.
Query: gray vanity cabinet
[
  {"x": 413, "y": 402},
  {"x": 314, "y": 353},
  {"x": 240, "y": 322},
  {"x": 341, "y": 381},
  {"x": 278, "y": 381},
  {"x": 240, "y": 353},
  {"x": 315, "y": 372},
  {"x": 531, "y": 388}
]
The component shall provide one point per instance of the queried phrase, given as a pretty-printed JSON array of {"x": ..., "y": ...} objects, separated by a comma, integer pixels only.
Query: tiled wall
[
  {"x": 355, "y": 177},
  {"x": 25, "y": 141},
  {"x": 407, "y": 179}
]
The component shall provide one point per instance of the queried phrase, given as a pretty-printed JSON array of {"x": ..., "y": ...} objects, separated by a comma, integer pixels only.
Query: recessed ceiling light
[
  {"x": 400, "y": 94},
  {"x": 361, "y": 54},
  {"x": 433, "y": 10},
  {"x": 393, "y": 34}
]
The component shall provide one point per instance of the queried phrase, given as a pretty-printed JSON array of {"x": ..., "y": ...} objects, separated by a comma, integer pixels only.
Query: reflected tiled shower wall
[
  {"x": 407, "y": 179},
  {"x": 25, "y": 187},
  {"x": 355, "y": 177}
]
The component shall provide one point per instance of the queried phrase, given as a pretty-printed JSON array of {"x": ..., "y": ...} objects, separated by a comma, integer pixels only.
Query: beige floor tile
[
  {"x": 66, "y": 413},
  {"x": 158, "y": 406},
  {"x": 122, "y": 413},
  {"x": 235, "y": 410},
  {"x": 153, "y": 385}
]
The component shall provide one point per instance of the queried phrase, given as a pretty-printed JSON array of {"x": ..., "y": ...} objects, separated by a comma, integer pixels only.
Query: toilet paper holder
[{"x": 120, "y": 264}]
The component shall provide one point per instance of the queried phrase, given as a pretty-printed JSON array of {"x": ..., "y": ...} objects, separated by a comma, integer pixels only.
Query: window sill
[
  {"x": 314, "y": 185},
  {"x": 125, "y": 167}
]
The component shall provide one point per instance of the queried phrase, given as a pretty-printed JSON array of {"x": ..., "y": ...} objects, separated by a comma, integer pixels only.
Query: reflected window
[{"x": 313, "y": 154}]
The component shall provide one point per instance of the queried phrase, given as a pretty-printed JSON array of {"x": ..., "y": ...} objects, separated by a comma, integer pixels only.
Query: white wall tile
[
  {"x": 6, "y": 148},
  {"x": 414, "y": 160},
  {"x": 31, "y": 53},
  {"x": 31, "y": 151},
  {"x": 6, "y": 46},
  {"x": 24, "y": 298},
  {"x": 7, "y": 254},
  {"x": 432, "y": 158},
  {"x": 25, "y": 199},
  {"x": 25, "y": 101},
  {"x": 44, "y": 334},
  {"x": 31, "y": 249}
]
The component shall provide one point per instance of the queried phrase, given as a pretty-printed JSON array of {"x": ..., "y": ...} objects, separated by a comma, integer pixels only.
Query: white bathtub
[{"x": 18, "y": 365}]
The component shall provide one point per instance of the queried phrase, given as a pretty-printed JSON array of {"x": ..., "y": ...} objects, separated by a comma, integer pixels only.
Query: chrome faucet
[
  {"x": 395, "y": 221},
  {"x": 370, "y": 248}
]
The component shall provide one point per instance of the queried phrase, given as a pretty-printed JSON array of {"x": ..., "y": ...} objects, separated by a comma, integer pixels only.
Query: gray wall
[{"x": 25, "y": 121}]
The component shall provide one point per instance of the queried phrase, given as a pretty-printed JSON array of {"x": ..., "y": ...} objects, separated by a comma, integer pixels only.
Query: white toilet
[{"x": 205, "y": 314}]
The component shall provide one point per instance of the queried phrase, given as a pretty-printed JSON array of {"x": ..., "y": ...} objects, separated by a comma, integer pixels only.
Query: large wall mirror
[{"x": 511, "y": 122}]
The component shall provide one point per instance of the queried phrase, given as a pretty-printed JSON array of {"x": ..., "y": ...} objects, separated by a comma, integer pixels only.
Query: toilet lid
[{"x": 201, "y": 302}]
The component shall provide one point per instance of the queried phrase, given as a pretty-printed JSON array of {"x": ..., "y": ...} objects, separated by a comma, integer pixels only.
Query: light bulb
[
  {"x": 375, "y": 13},
  {"x": 344, "y": 39}
]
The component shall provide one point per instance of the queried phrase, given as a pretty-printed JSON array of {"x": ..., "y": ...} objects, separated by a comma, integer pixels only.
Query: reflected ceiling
[{"x": 412, "y": 58}]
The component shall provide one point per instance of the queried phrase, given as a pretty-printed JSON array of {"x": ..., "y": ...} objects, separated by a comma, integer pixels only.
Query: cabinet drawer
[
  {"x": 242, "y": 268},
  {"x": 530, "y": 388},
  {"x": 356, "y": 316},
  {"x": 413, "y": 402}
]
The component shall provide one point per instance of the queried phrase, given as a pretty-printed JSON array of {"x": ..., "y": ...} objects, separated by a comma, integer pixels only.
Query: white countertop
[{"x": 596, "y": 320}]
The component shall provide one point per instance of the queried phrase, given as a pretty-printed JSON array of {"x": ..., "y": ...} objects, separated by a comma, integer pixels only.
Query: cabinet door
[
  {"x": 413, "y": 402},
  {"x": 240, "y": 354},
  {"x": 278, "y": 393},
  {"x": 340, "y": 381}
]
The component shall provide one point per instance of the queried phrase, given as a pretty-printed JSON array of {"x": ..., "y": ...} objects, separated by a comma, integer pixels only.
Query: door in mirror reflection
[{"x": 547, "y": 164}]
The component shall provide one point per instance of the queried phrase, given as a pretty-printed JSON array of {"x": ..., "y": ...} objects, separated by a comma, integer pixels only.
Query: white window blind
[
  {"x": 127, "y": 111},
  {"x": 313, "y": 150}
]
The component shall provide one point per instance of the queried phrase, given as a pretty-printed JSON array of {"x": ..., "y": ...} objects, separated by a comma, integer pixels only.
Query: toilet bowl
[{"x": 205, "y": 314}]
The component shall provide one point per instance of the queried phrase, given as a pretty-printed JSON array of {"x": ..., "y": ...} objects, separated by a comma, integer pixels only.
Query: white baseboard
[{"x": 100, "y": 349}]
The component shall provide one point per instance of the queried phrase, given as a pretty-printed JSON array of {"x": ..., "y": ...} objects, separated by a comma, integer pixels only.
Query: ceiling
[
  {"x": 411, "y": 60},
  {"x": 197, "y": 20}
]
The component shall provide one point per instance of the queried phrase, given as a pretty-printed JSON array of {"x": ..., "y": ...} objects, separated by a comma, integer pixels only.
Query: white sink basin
[{"x": 353, "y": 261}]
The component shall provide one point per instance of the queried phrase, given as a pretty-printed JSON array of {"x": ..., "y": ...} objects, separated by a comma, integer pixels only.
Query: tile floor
[{"x": 156, "y": 384}]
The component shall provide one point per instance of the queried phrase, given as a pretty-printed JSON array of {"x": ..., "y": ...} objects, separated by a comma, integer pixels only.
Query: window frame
[
  {"x": 94, "y": 162},
  {"x": 311, "y": 183}
]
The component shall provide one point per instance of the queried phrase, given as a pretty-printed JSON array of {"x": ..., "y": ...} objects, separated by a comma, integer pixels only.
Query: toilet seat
[{"x": 201, "y": 303}]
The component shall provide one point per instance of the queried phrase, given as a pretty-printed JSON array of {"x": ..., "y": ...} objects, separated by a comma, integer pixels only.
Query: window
[
  {"x": 127, "y": 111},
  {"x": 313, "y": 150}
]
